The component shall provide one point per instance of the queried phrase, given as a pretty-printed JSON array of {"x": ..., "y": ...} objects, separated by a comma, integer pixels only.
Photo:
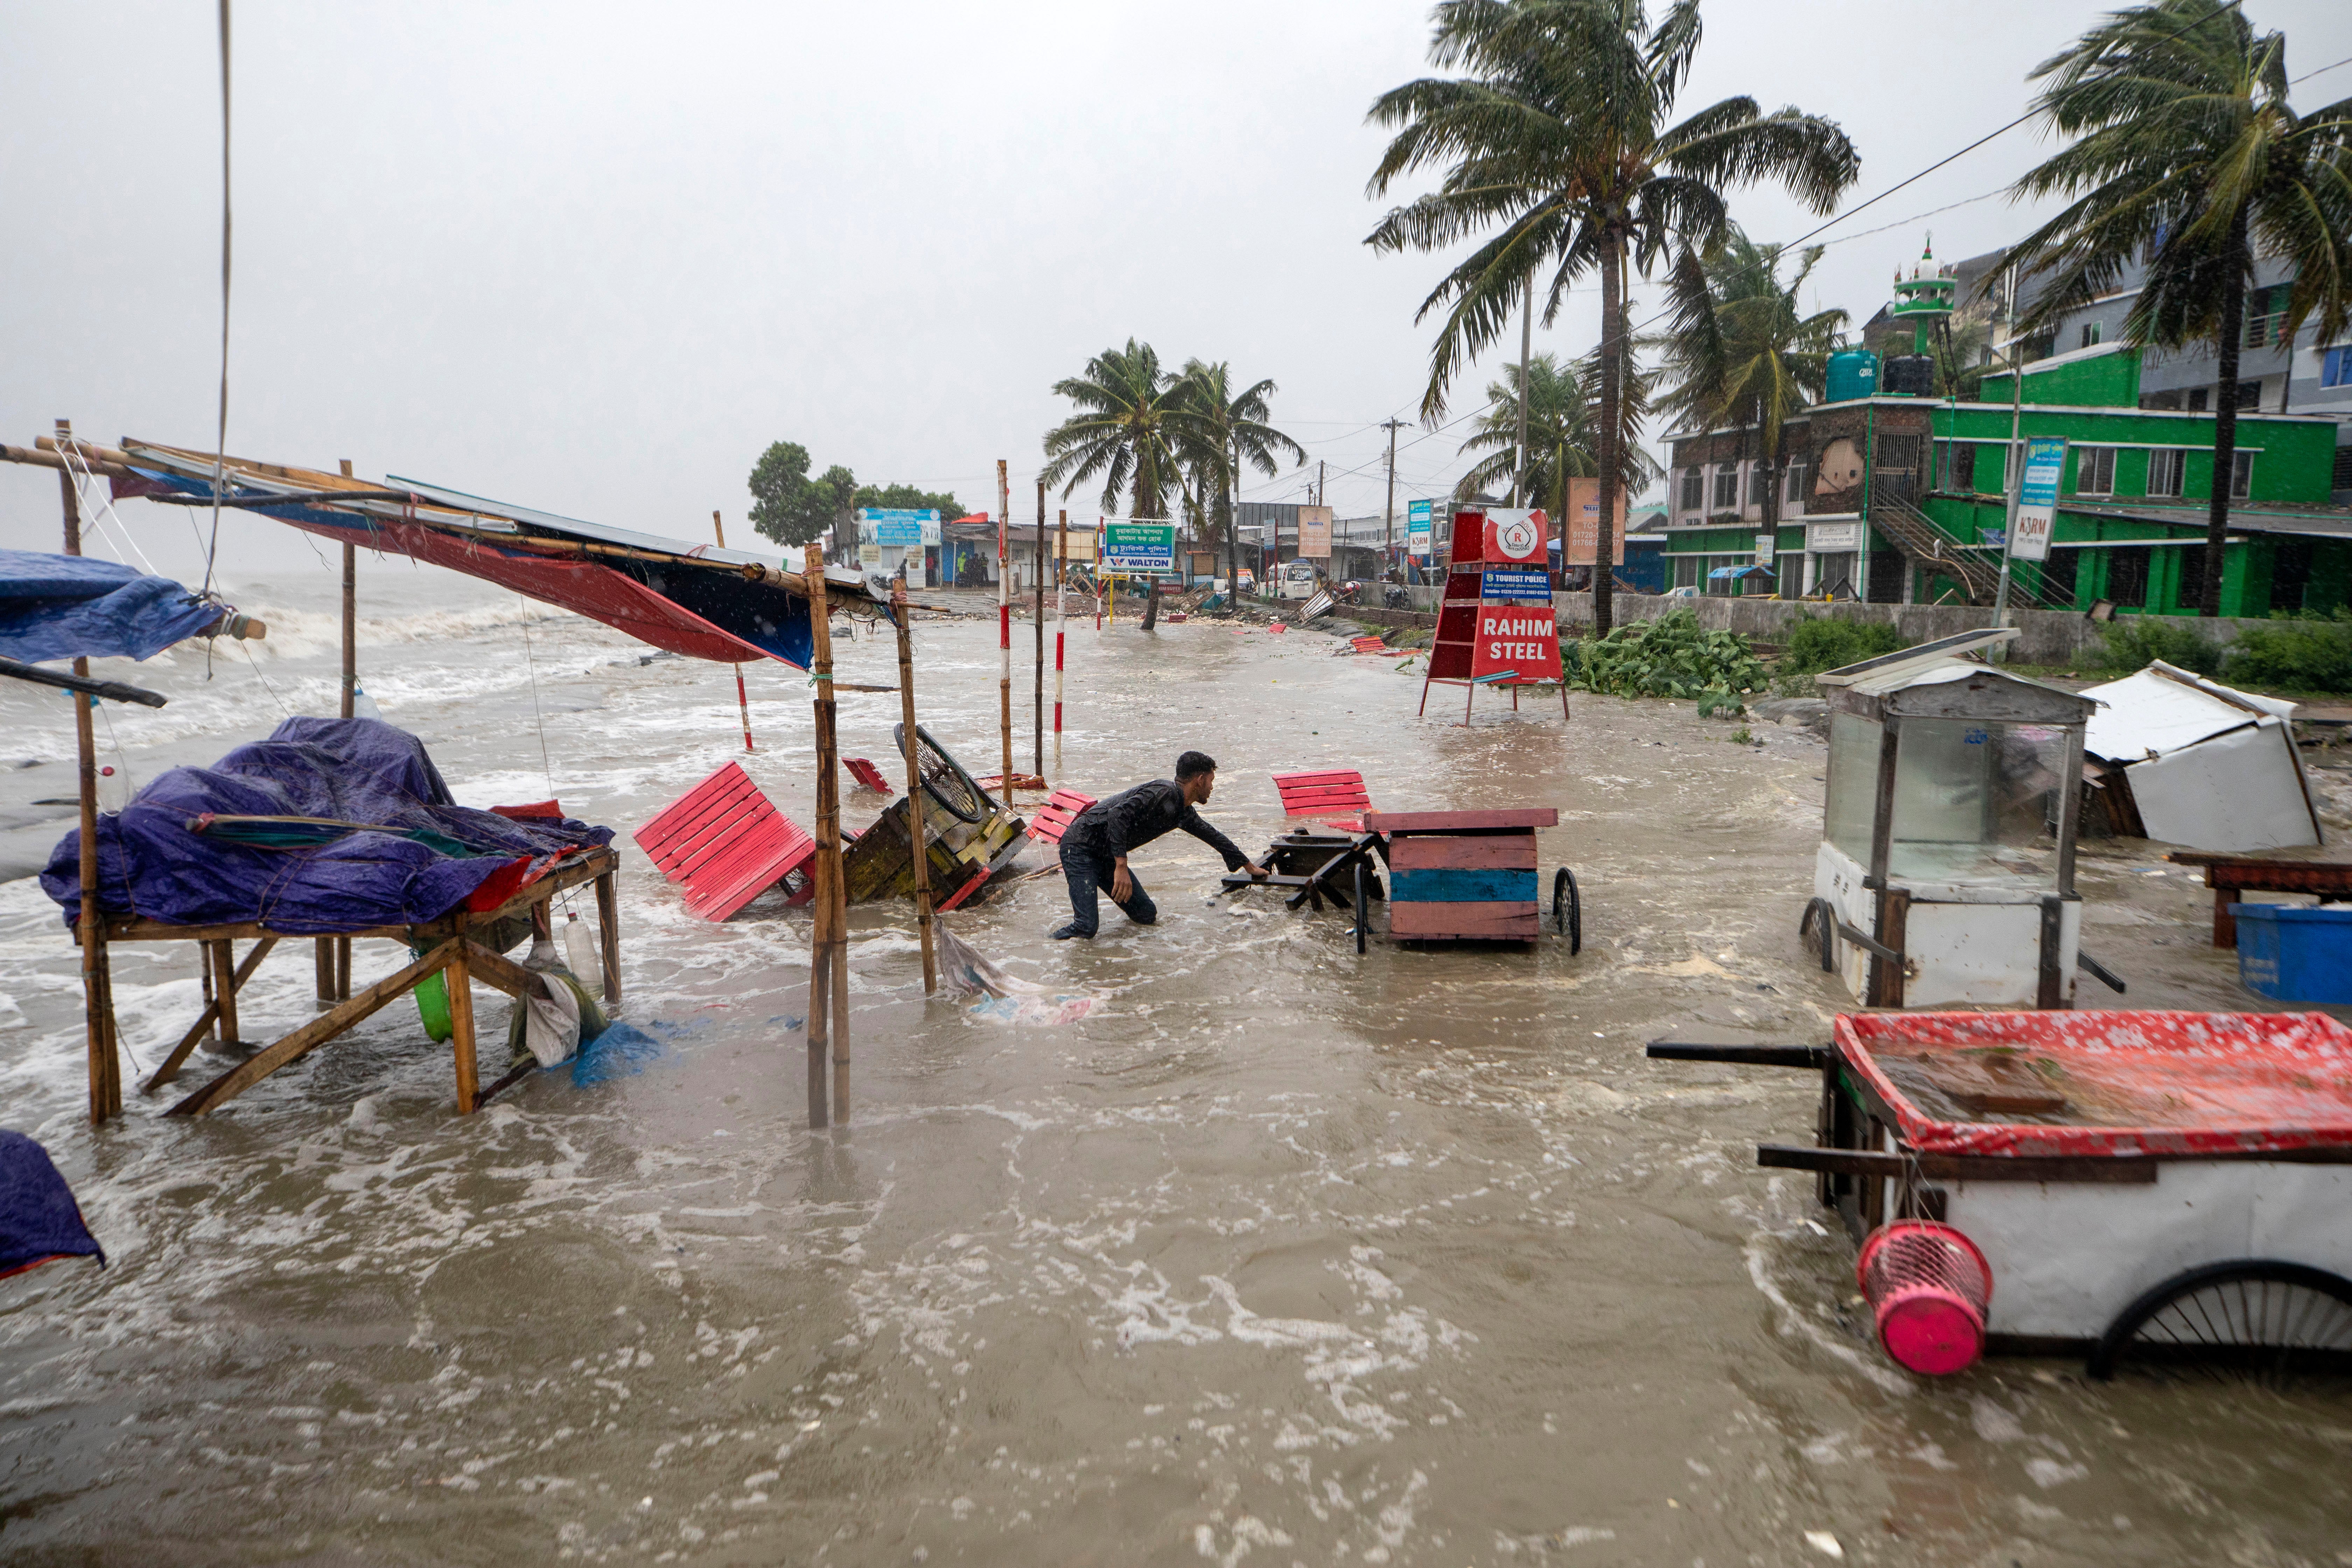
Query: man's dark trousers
[{"x": 1090, "y": 871}]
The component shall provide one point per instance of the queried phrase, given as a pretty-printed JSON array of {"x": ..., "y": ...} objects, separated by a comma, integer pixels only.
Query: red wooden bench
[
  {"x": 866, "y": 774},
  {"x": 1337, "y": 794},
  {"x": 726, "y": 842},
  {"x": 1054, "y": 819}
]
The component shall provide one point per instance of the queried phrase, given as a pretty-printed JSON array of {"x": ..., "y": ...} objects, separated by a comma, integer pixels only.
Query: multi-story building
[{"x": 1895, "y": 499}]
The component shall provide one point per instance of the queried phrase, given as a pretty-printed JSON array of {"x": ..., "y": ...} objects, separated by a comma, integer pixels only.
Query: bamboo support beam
[
  {"x": 916, "y": 817},
  {"x": 205, "y": 1020},
  {"x": 317, "y": 1032},
  {"x": 97, "y": 987},
  {"x": 825, "y": 978},
  {"x": 458, "y": 981}
]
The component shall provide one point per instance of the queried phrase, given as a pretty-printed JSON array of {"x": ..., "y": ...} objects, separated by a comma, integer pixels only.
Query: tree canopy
[{"x": 790, "y": 508}]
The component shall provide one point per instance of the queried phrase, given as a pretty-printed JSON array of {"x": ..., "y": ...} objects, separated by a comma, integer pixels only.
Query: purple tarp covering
[
  {"x": 150, "y": 864},
  {"x": 72, "y": 607},
  {"x": 38, "y": 1217}
]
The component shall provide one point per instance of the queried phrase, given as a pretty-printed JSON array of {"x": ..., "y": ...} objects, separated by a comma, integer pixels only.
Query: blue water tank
[{"x": 1854, "y": 373}]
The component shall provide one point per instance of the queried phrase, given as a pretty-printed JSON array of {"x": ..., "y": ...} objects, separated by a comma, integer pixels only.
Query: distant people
[{"x": 1096, "y": 845}]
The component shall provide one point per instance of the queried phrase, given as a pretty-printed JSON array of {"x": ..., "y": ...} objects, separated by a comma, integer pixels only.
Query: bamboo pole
[
  {"x": 742, "y": 700},
  {"x": 827, "y": 979},
  {"x": 332, "y": 955},
  {"x": 1003, "y": 619},
  {"x": 918, "y": 826},
  {"x": 1061, "y": 625},
  {"x": 1037, "y": 690},
  {"x": 97, "y": 998}
]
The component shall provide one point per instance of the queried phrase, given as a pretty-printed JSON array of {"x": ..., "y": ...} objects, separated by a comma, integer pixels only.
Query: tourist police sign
[
  {"x": 2037, "y": 499},
  {"x": 1517, "y": 635},
  {"x": 1417, "y": 527},
  {"x": 1138, "y": 547}
]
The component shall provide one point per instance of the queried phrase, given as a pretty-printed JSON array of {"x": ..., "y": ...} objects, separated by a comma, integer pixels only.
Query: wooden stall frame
[{"x": 447, "y": 945}]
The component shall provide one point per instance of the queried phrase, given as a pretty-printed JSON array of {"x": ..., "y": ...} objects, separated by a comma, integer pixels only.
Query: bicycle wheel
[
  {"x": 944, "y": 779},
  {"x": 1568, "y": 910},
  {"x": 2257, "y": 1319},
  {"x": 1817, "y": 931}
]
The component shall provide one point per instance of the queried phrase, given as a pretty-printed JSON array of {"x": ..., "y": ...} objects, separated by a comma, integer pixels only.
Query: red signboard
[{"x": 1523, "y": 639}]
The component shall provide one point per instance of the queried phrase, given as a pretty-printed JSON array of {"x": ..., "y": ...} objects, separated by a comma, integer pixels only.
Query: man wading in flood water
[{"x": 1095, "y": 847}]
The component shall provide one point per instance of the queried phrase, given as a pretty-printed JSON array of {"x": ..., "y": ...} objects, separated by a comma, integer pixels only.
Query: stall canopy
[
  {"x": 692, "y": 599},
  {"x": 73, "y": 606}
]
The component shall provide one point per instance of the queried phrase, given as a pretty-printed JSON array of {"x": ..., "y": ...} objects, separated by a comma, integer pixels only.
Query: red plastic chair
[
  {"x": 726, "y": 842},
  {"x": 1337, "y": 796},
  {"x": 1054, "y": 819}
]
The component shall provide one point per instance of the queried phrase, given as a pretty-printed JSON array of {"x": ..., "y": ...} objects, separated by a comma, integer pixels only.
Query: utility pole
[{"x": 1387, "y": 516}]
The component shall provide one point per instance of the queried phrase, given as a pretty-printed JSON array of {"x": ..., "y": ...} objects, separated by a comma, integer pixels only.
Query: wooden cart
[
  {"x": 2144, "y": 1187},
  {"x": 1453, "y": 876}
]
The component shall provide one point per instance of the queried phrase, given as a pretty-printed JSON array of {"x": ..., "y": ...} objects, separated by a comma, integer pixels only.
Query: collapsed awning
[{"x": 691, "y": 599}]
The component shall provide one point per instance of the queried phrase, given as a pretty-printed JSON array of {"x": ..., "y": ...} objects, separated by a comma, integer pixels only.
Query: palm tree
[
  {"x": 1127, "y": 429},
  {"x": 1562, "y": 433},
  {"x": 1739, "y": 349},
  {"x": 1560, "y": 135},
  {"x": 1222, "y": 430},
  {"x": 2187, "y": 157}
]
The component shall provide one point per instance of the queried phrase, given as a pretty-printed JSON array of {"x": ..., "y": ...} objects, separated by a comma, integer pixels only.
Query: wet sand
[{"x": 1285, "y": 1256}]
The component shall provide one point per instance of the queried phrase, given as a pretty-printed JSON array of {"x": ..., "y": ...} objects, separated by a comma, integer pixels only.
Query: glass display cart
[{"x": 1945, "y": 873}]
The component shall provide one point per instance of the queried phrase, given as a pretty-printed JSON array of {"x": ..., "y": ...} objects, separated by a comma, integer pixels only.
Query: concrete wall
[{"x": 2052, "y": 637}]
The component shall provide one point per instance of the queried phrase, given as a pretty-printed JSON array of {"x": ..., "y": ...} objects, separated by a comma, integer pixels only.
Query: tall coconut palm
[
  {"x": 1127, "y": 430},
  {"x": 2188, "y": 158},
  {"x": 1740, "y": 350},
  {"x": 1222, "y": 430},
  {"x": 1561, "y": 134}
]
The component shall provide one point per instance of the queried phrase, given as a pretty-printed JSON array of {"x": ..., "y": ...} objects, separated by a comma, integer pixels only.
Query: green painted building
[{"x": 1893, "y": 498}]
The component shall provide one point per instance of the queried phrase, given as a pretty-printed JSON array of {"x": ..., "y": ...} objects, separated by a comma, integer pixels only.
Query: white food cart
[{"x": 1946, "y": 874}]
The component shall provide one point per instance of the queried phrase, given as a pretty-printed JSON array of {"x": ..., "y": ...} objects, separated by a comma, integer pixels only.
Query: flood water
[{"x": 1282, "y": 1255}]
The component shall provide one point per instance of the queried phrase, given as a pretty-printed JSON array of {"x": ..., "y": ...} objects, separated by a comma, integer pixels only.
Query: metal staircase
[{"x": 1924, "y": 543}]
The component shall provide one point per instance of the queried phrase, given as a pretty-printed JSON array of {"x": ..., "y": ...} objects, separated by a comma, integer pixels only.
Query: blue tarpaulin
[
  {"x": 73, "y": 607},
  {"x": 153, "y": 862},
  {"x": 40, "y": 1220}
]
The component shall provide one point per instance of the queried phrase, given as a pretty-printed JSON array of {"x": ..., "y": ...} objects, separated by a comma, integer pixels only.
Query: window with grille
[
  {"x": 2058, "y": 578},
  {"x": 1694, "y": 489},
  {"x": 2201, "y": 398},
  {"x": 1727, "y": 486},
  {"x": 2266, "y": 313},
  {"x": 1796, "y": 490},
  {"x": 2093, "y": 334},
  {"x": 2095, "y": 470},
  {"x": 1963, "y": 465},
  {"x": 1685, "y": 576},
  {"x": 1759, "y": 485},
  {"x": 2242, "y": 474},
  {"x": 2166, "y": 468},
  {"x": 2335, "y": 367},
  {"x": 2249, "y": 396},
  {"x": 2343, "y": 479}
]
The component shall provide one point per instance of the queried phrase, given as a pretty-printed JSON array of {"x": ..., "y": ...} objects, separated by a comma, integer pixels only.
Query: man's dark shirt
[{"x": 1134, "y": 817}]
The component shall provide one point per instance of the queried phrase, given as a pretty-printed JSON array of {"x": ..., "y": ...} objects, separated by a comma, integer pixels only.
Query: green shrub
[
  {"x": 2134, "y": 642},
  {"x": 1673, "y": 655},
  {"x": 2305, "y": 652},
  {"x": 1831, "y": 642}
]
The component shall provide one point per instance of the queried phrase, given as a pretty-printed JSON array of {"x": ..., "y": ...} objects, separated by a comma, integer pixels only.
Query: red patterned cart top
[{"x": 2122, "y": 1083}]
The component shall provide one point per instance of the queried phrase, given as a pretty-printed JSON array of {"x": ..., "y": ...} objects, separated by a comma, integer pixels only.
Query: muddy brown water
[{"x": 1285, "y": 1256}]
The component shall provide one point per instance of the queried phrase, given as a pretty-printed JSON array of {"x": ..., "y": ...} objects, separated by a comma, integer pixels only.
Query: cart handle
[
  {"x": 1868, "y": 943},
  {"x": 2106, "y": 976},
  {"x": 1814, "y": 1057}
]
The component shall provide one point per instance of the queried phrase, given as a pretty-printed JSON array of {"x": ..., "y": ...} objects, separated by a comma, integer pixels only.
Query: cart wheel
[
  {"x": 944, "y": 779},
  {"x": 1363, "y": 921},
  {"x": 1568, "y": 910},
  {"x": 1817, "y": 928},
  {"x": 2258, "y": 1319}
]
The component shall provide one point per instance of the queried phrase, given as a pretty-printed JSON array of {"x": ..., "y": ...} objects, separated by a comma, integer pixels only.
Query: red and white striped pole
[
  {"x": 1004, "y": 617},
  {"x": 1061, "y": 619}
]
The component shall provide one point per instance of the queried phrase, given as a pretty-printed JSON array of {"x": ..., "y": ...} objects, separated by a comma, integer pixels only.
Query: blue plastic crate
[{"x": 2292, "y": 953}]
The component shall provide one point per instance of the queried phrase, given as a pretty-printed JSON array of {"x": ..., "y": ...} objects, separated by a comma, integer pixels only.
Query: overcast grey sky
[{"x": 594, "y": 257}]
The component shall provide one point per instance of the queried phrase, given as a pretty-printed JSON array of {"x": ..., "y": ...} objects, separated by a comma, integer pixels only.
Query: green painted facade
[{"x": 2147, "y": 566}]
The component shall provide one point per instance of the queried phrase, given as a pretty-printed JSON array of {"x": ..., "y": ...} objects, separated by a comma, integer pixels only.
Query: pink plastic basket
[{"x": 1928, "y": 1285}]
